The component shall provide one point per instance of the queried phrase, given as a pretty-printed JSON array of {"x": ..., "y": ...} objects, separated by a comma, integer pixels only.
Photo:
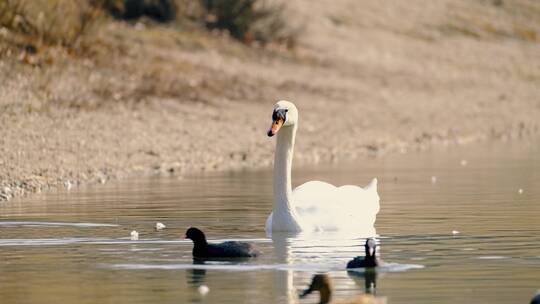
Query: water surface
[{"x": 74, "y": 247}]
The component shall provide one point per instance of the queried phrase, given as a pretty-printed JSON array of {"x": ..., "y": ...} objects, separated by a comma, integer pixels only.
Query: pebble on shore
[
  {"x": 5, "y": 194},
  {"x": 68, "y": 185}
]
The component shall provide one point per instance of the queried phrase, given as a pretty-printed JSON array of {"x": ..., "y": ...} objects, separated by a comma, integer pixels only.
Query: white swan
[{"x": 315, "y": 205}]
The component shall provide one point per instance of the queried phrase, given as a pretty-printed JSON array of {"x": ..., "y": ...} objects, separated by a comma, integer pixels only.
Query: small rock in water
[
  {"x": 134, "y": 235},
  {"x": 463, "y": 162},
  {"x": 203, "y": 290},
  {"x": 433, "y": 179},
  {"x": 454, "y": 232},
  {"x": 160, "y": 226},
  {"x": 520, "y": 191}
]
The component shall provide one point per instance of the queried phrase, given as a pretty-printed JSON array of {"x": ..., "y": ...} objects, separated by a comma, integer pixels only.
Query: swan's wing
[
  {"x": 336, "y": 208},
  {"x": 366, "y": 198},
  {"x": 313, "y": 194}
]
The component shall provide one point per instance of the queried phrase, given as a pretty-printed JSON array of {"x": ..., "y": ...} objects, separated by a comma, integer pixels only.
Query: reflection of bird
[
  {"x": 536, "y": 299},
  {"x": 368, "y": 279},
  {"x": 231, "y": 249},
  {"x": 195, "y": 276},
  {"x": 315, "y": 205},
  {"x": 323, "y": 284},
  {"x": 369, "y": 260}
]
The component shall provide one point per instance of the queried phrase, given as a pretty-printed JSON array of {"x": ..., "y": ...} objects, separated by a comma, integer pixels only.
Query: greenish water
[{"x": 495, "y": 258}]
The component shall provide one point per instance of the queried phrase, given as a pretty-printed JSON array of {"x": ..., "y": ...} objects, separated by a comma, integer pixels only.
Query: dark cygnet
[
  {"x": 231, "y": 249},
  {"x": 369, "y": 260}
]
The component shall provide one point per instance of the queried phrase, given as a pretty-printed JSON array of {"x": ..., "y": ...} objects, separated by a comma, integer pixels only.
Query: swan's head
[
  {"x": 285, "y": 114},
  {"x": 370, "y": 247}
]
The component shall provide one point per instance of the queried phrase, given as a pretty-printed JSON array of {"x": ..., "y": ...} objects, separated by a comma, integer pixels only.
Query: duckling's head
[
  {"x": 371, "y": 247},
  {"x": 322, "y": 284},
  {"x": 196, "y": 235}
]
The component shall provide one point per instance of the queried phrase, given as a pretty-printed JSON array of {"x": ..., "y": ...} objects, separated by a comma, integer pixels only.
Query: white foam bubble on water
[
  {"x": 134, "y": 235},
  {"x": 203, "y": 290}
]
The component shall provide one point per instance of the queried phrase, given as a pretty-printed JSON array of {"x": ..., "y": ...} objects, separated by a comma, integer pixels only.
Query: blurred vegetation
[
  {"x": 159, "y": 10},
  {"x": 61, "y": 22},
  {"x": 65, "y": 22},
  {"x": 246, "y": 20},
  {"x": 250, "y": 20}
]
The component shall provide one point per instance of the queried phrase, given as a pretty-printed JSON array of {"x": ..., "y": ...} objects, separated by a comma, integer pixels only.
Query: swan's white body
[{"x": 315, "y": 205}]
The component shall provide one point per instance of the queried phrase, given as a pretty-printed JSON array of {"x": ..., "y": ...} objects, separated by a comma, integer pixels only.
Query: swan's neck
[{"x": 283, "y": 207}]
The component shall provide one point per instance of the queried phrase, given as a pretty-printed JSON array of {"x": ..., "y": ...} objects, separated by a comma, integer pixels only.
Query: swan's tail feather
[{"x": 372, "y": 186}]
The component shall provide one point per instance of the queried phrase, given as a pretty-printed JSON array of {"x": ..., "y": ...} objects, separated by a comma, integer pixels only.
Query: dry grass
[
  {"x": 49, "y": 22},
  {"x": 493, "y": 20}
]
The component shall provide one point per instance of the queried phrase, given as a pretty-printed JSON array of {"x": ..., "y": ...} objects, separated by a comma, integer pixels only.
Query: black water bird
[
  {"x": 536, "y": 298},
  {"x": 231, "y": 249},
  {"x": 369, "y": 260}
]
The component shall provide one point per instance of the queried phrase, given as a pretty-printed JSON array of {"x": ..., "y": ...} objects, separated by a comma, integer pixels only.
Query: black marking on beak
[{"x": 278, "y": 119}]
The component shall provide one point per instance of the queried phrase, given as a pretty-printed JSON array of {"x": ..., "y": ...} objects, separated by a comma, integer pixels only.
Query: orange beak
[{"x": 274, "y": 128}]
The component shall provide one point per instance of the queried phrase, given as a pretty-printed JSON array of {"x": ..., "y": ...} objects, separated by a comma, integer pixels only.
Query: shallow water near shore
[{"x": 458, "y": 226}]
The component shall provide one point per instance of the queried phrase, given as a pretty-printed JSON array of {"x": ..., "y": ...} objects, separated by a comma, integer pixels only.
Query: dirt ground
[{"x": 367, "y": 77}]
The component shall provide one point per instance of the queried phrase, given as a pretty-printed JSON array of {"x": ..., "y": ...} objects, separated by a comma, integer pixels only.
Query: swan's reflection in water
[{"x": 308, "y": 253}]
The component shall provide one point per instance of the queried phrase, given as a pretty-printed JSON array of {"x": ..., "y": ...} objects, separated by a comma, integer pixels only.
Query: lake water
[{"x": 74, "y": 247}]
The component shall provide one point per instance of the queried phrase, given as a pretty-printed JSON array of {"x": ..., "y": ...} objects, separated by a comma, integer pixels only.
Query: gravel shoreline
[{"x": 202, "y": 143}]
